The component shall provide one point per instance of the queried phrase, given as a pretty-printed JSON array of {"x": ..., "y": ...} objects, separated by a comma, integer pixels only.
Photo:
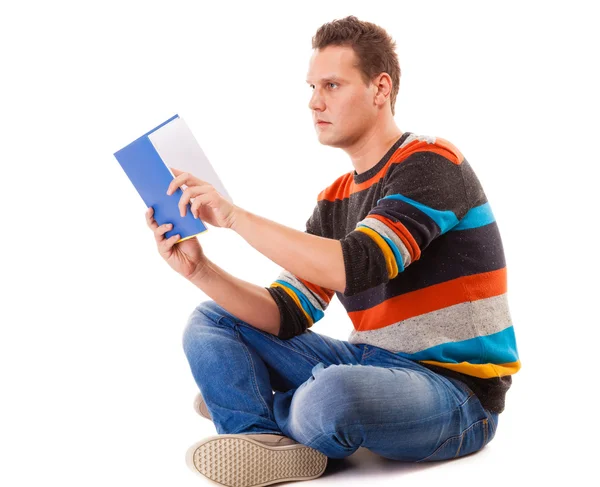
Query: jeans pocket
[{"x": 473, "y": 439}]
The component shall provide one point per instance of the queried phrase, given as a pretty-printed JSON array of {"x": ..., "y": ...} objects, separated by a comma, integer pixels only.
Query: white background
[{"x": 95, "y": 388}]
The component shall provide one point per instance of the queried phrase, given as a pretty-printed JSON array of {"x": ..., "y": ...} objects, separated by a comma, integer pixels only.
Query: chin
[{"x": 330, "y": 141}]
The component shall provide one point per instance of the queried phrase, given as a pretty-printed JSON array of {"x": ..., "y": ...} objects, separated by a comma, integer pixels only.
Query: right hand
[{"x": 187, "y": 257}]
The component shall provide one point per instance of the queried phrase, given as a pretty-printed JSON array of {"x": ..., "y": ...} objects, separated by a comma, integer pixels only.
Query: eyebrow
[{"x": 330, "y": 78}]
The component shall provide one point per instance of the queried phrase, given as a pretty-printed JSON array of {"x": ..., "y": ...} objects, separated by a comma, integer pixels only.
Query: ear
[{"x": 383, "y": 88}]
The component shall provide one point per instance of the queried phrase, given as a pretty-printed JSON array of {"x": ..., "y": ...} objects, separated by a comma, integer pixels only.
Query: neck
[{"x": 372, "y": 146}]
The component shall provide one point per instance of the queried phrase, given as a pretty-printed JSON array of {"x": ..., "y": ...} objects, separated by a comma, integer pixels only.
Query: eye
[{"x": 330, "y": 83}]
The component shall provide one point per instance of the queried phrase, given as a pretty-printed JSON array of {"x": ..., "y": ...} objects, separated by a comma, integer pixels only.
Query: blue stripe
[
  {"x": 476, "y": 217},
  {"x": 500, "y": 348},
  {"x": 314, "y": 313},
  {"x": 445, "y": 219},
  {"x": 393, "y": 246}
]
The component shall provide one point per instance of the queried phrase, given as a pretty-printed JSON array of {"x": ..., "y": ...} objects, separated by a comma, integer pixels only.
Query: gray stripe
[
  {"x": 315, "y": 300},
  {"x": 452, "y": 324},
  {"x": 423, "y": 138},
  {"x": 383, "y": 229}
]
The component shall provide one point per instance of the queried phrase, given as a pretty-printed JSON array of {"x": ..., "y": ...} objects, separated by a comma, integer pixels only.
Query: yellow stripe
[
  {"x": 191, "y": 236},
  {"x": 483, "y": 371},
  {"x": 390, "y": 260},
  {"x": 296, "y": 300}
]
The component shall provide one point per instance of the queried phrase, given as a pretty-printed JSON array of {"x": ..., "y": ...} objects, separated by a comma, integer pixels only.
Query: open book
[{"x": 147, "y": 162}]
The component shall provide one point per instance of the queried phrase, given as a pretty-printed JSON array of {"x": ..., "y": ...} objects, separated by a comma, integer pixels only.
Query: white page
[{"x": 178, "y": 148}]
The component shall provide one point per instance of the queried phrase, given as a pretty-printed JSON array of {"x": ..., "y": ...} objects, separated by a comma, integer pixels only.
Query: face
[{"x": 339, "y": 97}]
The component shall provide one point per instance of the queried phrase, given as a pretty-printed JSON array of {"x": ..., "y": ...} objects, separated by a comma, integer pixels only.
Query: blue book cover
[{"x": 147, "y": 162}]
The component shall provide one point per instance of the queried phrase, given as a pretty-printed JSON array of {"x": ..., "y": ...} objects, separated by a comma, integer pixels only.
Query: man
[{"x": 408, "y": 243}]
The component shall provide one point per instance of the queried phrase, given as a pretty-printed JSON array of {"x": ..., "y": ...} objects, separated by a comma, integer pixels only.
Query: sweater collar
[{"x": 362, "y": 177}]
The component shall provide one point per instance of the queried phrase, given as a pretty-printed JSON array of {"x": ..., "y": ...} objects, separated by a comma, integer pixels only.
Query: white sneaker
[{"x": 254, "y": 459}]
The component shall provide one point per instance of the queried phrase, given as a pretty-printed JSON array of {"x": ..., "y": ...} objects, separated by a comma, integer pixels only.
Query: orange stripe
[
  {"x": 340, "y": 189},
  {"x": 325, "y": 294},
  {"x": 403, "y": 234},
  {"x": 432, "y": 298},
  {"x": 448, "y": 150},
  {"x": 344, "y": 186}
]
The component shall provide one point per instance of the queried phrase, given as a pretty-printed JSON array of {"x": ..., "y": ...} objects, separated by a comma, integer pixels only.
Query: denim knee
[
  {"x": 340, "y": 395},
  {"x": 319, "y": 403},
  {"x": 208, "y": 337},
  {"x": 206, "y": 313}
]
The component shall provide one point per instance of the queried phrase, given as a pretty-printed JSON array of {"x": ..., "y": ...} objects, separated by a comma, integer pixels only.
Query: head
[{"x": 354, "y": 75}]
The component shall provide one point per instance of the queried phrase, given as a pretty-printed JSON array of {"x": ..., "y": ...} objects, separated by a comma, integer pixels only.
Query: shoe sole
[{"x": 235, "y": 461}]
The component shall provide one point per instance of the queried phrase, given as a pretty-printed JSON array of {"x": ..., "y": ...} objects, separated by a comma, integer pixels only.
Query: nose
[{"x": 316, "y": 101}]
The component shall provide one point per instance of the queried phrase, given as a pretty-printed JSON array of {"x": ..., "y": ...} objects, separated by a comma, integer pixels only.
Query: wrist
[
  {"x": 237, "y": 217},
  {"x": 200, "y": 271}
]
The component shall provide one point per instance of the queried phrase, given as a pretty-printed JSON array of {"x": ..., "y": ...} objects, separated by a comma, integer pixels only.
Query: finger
[
  {"x": 178, "y": 181},
  {"x": 200, "y": 200},
  {"x": 149, "y": 218},
  {"x": 183, "y": 178},
  {"x": 166, "y": 245},
  {"x": 189, "y": 193},
  {"x": 178, "y": 172},
  {"x": 159, "y": 231}
]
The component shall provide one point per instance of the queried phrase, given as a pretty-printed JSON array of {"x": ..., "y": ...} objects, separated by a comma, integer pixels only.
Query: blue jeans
[{"x": 329, "y": 394}]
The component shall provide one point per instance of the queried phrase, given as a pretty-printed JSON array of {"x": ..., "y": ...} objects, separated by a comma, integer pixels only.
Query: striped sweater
[{"x": 425, "y": 267}]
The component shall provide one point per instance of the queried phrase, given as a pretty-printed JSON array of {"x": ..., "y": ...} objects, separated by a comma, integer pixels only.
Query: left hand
[{"x": 208, "y": 204}]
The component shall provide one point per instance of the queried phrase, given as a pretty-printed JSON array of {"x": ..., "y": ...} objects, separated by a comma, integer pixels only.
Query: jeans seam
[
  {"x": 382, "y": 423},
  {"x": 462, "y": 437},
  {"x": 469, "y": 397},
  {"x": 485, "y": 432},
  {"x": 368, "y": 354}
]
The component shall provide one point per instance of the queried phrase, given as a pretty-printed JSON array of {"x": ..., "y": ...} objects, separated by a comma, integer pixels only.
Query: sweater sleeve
[
  {"x": 423, "y": 197},
  {"x": 301, "y": 303}
]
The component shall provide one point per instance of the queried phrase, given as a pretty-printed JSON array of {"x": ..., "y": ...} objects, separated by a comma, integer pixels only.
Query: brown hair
[{"x": 374, "y": 48}]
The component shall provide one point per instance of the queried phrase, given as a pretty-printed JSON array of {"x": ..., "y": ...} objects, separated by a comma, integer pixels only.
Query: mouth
[{"x": 323, "y": 123}]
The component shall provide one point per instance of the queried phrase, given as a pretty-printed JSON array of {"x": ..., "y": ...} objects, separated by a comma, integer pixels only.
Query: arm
[
  {"x": 315, "y": 259},
  {"x": 249, "y": 302},
  {"x": 291, "y": 303},
  {"x": 424, "y": 197},
  {"x": 301, "y": 303}
]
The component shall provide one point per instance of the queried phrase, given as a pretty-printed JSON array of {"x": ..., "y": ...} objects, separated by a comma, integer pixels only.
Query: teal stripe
[
  {"x": 497, "y": 348},
  {"x": 314, "y": 313},
  {"x": 476, "y": 217},
  {"x": 445, "y": 219},
  {"x": 393, "y": 246}
]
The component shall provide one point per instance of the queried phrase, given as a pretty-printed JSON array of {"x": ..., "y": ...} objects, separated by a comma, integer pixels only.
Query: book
[{"x": 147, "y": 162}]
